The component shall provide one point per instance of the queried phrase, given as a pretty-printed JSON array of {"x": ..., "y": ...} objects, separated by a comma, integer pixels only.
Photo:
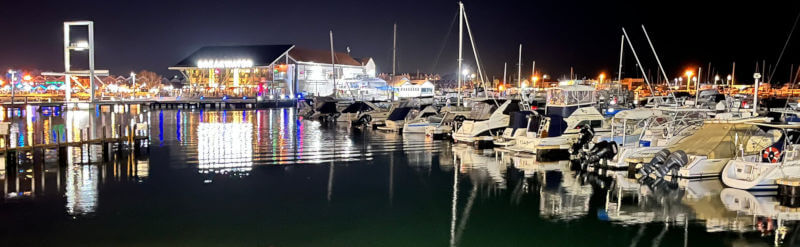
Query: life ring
[{"x": 772, "y": 154}]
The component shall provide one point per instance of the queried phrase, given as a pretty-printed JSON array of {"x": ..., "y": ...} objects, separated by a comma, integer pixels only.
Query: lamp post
[
  {"x": 11, "y": 83},
  {"x": 133, "y": 84},
  {"x": 688, "y": 79},
  {"x": 728, "y": 81},
  {"x": 716, "y": 79}
]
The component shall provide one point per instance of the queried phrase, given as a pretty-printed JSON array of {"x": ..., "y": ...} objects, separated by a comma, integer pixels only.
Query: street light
[
  {"x": 602, "y": 76},
  {"x": 729, "y": 80},
  {"x": 465, "y": 72},
  {"x": 716, "y": 79},
  {"x": 688, "y": 78}
]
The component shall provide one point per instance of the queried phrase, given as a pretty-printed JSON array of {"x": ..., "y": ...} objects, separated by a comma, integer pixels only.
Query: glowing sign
[{"x": 224, "y": 63}]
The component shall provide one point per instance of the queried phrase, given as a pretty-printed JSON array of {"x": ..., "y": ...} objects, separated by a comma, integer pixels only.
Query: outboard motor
[
  {"x": 674, "y": 162},
  {"x": 585, "y": 136},
  {"x": 657, "y": 161},
  {"x": 602, "y": 151}
]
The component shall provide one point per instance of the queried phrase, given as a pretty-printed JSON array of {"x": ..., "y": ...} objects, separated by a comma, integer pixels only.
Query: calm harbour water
[{"x": 269, "y": 178}]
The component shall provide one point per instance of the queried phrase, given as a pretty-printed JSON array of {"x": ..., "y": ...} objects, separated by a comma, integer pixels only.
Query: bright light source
[
  {"x": 27, "y": 77},
  {"x": 688, "y": 73},
  {"x": 81, "y": 45},
  {"x": 465, "y": 72},
  {"x": 716, "y": 78},
  {"x": 729, "y": 77}
]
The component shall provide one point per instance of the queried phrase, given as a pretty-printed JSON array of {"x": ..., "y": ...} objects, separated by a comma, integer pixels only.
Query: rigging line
[
  {"x": 784, "y": 47},
  {"x": 791, "y": 91},
  {"x": 444, "y": 42}
]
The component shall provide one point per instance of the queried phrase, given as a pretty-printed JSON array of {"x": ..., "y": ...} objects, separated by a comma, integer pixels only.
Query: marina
[{"x": 265, "y": 127}]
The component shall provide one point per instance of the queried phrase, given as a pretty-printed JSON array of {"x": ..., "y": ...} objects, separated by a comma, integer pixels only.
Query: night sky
[{"x": 152, "y": 35}]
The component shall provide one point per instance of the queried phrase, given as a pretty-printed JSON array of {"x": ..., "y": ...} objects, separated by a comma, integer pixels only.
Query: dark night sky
[{"x": 152, "y": 35}]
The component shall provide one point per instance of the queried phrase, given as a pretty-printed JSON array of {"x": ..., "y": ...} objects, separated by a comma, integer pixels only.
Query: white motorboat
[
  {"x": 706, "y": 152},
  {"x": 418, "y": 124},
  {"x": 416, "y": 117},
  {"x": 760, "y": 171},
  {"x": 568, "y": 109},
  {"x": 627, "y": 127},
  {"x": 486, "y": 119},
  {"x": 517, "y": 127},
  {"x": 364, "y": 113}
]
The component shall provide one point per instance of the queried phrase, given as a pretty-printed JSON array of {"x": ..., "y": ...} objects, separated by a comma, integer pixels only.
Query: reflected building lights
[
  {"x": 225, "y": 147},
  {"x": 81, "y": 189}
]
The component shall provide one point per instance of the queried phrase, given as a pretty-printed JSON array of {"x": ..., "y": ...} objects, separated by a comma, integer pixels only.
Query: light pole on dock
[{"x": 11, "y": 83}]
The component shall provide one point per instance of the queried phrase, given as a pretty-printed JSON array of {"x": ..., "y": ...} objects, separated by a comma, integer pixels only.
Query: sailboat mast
[
  {"x": 394, "y": 49},
  {"x": 653, "y": 48},
  {"x": 519, "y": 67},
  {"x": 621, "y": 49},
  {"x": 646, "y": 80},
  {"x": 333, "y": 66},
  {"x": 505, "y": 68},
  {"x": 460, "y": 46}
]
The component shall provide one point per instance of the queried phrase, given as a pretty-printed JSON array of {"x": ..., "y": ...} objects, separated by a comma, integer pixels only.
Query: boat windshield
[
  {"x": 571, "y": 95},
  {"x": 399, "y": 113},
  {"x": 481, "y": 111}
]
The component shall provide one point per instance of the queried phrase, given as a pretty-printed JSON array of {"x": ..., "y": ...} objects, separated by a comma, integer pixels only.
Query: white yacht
[
  {"x": 487, "y": 119},
  {"x": 759, "y": 171},
  {"x": 517, "y": 126},
  {"x": 365, "y": 113},
  {"x": 568, "y": 108},
  {"x": 705, "y": 153},
  {"x": 413, "y": 115}
]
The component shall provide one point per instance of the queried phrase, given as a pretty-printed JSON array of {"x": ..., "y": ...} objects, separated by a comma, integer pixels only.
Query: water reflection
[
  {"x": 82, "y": 187},
  {"x": 292, "y": 176},
  {"x": 224, "y": 148}
]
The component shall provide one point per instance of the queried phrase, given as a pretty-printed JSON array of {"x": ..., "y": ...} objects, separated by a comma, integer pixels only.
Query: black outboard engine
[
  {"x": 585, "y": 136},
  {"x": 657, "y": 161},
  {"x": 601, "y": 151},
  {"x": 674, "y": 162}
]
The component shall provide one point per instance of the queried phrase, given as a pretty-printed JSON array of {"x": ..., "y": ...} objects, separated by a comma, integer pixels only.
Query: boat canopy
[
  {"x": 399, "y": 113},
  {"x": 359, "y": 106},
  {"x": 326, "y": 107},
  {"x": 424, "y": 113},
  {"x": 721, "y": 140},
  {"x": 637, "y": 114},
  {"x": 571, "y": 95}
]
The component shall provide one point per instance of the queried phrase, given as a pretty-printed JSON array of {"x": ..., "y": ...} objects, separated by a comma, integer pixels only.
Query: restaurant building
[{"x": 270, "y": 71}]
